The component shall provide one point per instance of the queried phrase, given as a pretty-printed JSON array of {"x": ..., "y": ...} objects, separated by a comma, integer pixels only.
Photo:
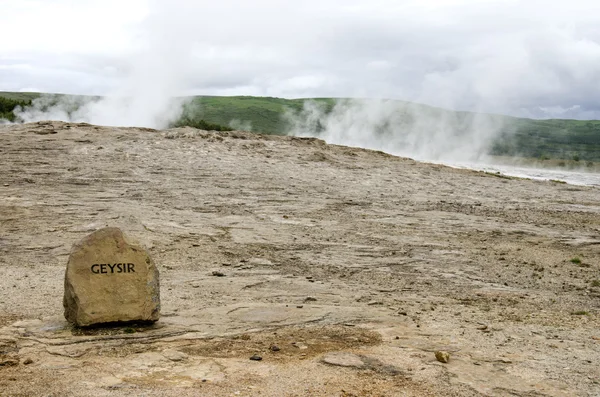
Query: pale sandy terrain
[{"x": 327, "y": 252}]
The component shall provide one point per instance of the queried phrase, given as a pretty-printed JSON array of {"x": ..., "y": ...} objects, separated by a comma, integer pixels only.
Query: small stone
[
  {"x": 442, "y": 356},
  {"x": 299, "y": 306},
  {"x": 28, "y": 361},
  {"x": 109, "y": 278},
  {"x": 310, "y": 299},
  {"x": 256, "y": 357},
  {"x": 217, "y": 273},
  {"x": 274, "y": 348},
  {"x": 403, "y": 313}
]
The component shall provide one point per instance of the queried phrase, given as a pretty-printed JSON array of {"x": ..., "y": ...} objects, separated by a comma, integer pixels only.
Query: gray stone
[{"x": 109, "y": 279}]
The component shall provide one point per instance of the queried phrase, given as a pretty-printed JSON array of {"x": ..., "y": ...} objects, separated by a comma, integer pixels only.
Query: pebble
[
  {"x": 274, "y": 348},
  {"x": 217, "y": 273},
  {"x": 256, "y": 357},
  {"x": 310, "y": 299},
  {"x": 442, "y": 356},
  {"x": 28, "y": 361}
]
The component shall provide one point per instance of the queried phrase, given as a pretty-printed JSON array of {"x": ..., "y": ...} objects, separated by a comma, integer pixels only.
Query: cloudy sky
[{"x": 528, "y": 58}]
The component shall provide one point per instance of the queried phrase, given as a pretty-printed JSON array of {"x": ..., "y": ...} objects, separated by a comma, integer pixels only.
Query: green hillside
[
  {"x": 563, "y": 139},
  {"x": 19, "y": 96},
  {"x": 543, "y": 139},
  {"x": 264, "y": 114}
]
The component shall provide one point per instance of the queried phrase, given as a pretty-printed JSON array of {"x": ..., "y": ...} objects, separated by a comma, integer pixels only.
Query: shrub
[{"x": 580, "y": 313}]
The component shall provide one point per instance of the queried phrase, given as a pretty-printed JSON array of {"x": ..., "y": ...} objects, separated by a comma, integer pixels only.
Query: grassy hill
[
  {"x": 543, "y": 139},
  {"x": 264, "y": 114}
]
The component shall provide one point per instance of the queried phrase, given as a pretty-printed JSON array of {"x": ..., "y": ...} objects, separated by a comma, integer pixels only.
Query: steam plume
[
  {"x": 155, "y": 76},
  {"x": 400, "y": 128}
]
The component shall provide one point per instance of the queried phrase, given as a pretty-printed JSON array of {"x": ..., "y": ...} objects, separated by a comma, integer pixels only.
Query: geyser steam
[
  {"x": 400, "y": 128},
  {"x": 155, "y": 76}
]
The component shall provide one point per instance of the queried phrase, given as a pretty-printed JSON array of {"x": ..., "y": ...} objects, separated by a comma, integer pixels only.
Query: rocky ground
[{"x": 344, "y": 270}]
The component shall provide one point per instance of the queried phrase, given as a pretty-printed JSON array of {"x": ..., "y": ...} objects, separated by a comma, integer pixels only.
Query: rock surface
[
  {"x": 444, "y": 250},
  {"x": 110, "y": 279}
]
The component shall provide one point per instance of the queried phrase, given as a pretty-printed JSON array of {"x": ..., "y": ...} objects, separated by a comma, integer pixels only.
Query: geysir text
[{"x": 106, "y": 268}]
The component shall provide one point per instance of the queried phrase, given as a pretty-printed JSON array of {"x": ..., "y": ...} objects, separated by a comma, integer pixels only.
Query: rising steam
[{"x": 155, "y": 75}]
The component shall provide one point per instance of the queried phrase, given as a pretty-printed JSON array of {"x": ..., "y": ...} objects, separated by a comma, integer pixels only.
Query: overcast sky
[{"x": 528, "y": 58}]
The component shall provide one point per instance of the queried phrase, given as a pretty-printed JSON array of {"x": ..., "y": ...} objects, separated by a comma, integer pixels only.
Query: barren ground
[{"x": 329, "y": 253}]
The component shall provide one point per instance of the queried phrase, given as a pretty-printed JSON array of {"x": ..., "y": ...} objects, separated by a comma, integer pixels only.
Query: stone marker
[{"x": 110, "y": 279}]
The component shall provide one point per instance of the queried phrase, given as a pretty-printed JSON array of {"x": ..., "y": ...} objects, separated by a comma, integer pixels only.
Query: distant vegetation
[
  {"x": 574, "y": 141},
  {"x": 8, "y": 105}
]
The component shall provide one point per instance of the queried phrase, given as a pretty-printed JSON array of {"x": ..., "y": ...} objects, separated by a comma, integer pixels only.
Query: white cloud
[{"x": 507, "y": 56}]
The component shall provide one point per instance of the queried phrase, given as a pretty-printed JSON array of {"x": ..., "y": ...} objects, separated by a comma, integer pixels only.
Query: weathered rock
[
  {"x": 110, "y": 279},
  {"x": 343, "y": 359},
  {"x": 174, "y": 355},
  {"x": 9, "y": 362}
]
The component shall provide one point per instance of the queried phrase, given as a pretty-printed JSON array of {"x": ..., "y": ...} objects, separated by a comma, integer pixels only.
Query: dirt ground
[{"x": 344, "y": 269}]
